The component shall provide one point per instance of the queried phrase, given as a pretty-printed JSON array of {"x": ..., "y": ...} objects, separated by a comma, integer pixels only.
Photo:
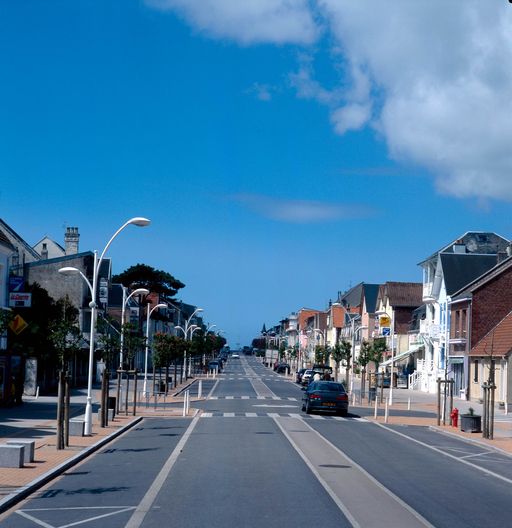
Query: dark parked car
[
  {"x": 283, "y": 368},
  {"x": 325, "y": 396}
]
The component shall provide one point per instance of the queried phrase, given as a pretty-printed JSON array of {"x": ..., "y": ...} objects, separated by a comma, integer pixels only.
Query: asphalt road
[{"x": 251, "y": 458}]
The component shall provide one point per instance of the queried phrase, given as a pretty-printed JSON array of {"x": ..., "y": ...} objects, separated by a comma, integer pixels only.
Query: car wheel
[
  {"x": 342, "y": 413},
  {"x": 303, "y": 407},
  {"x": 308, "y": 408}
]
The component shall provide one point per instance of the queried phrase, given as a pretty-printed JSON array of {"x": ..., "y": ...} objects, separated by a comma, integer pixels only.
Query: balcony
[
  {"x": 428, "y": 295},
  {"x": 430, "y": 330}
]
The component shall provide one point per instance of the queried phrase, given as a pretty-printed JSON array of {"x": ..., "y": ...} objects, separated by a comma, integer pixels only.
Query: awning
[{"x": 401, "y": 356}]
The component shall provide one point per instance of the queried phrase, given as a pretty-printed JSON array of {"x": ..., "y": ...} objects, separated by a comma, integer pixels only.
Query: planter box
[{"x": 471, "y": 423}]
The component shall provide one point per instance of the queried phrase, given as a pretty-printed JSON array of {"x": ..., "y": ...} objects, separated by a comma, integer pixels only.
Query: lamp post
[
  {"x": 93, "y": 287},
  {"x": 383, "y": 312},
  {"x": 138, "y": 291},
  {"x": 188, "y": 328},
  {"x": 149, "y": 312},
  {"x": 354, "y": 332}
]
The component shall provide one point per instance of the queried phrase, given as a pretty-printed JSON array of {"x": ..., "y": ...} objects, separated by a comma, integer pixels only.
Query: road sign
[
  {"x": 16, "y": 283},
  {"x": 18, "y": 324}
]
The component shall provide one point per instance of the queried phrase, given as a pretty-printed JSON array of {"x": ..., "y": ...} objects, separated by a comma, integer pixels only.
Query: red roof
[{"x": 498, "y": 342}]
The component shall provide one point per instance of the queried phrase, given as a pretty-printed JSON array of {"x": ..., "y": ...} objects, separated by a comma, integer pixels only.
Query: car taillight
[
  {"x": 342, "y": 397},
  {"x": 315, "y": 397}
]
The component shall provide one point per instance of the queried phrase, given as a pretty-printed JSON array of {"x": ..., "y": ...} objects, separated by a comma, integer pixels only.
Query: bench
[
  {"x": 30, "y": 446},
  {"x": 12, "y": 456}
]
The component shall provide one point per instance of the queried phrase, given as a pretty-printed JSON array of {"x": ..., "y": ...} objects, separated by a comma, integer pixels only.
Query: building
[{"x": 444, "y": 273}]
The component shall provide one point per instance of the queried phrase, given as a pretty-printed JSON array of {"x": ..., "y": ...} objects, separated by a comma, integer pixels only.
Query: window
[
  {"x": 475, "y": 377},
  {"x": 463, "y": 323}
]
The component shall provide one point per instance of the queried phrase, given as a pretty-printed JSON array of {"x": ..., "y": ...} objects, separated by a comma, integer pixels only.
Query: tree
[
  {"x": 133, "y": 341},
  {"x": 342, "y": 353},
  {"x": 365, "y": 356},
  {"x": 321, "y": 354},
  {"x": 144, "y": 276},
  {"x": 64, "y": 334}
]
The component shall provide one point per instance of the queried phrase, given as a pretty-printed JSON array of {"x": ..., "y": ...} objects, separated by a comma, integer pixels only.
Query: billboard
[{"x": 20, "y": 300}]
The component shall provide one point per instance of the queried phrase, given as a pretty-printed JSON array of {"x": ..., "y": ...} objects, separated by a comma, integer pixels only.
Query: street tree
[
  {"x": 365, "y": 356},
  {"x": 342, "y": 354},
  {"x": 144, "y": 276}
]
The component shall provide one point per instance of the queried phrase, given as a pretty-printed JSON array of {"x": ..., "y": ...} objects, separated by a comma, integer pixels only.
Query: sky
[{"x": 284, "y": 150}]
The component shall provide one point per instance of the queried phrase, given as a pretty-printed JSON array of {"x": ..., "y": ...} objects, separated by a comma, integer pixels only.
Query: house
[
  {"x": 396, "y": 303},
  {"x": 305, "y": 340},
  {"x": 480, "y": 324},
  {"x": 444, "y": 273}
]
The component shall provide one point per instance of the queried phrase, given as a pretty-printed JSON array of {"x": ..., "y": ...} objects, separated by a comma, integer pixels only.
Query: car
[
  {"x": 283, "y": 368},
  {"x": 308, "y": 374},
  {"x": 328, "y": 396},
  {"x": 384, "y": 381},
  {"x": 215, "y": 365},
  {"x": 235, "y": 356},
  {"x": 298, "y": 376}
]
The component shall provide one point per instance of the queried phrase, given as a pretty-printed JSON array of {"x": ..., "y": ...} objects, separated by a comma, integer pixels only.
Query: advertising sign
[{"x": 20, "y": 300}]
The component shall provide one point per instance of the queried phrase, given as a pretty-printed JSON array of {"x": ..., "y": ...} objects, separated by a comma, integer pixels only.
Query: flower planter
[{"x": 471, "y": 423}]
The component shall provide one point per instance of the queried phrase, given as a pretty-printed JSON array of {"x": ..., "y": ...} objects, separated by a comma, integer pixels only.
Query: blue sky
[{"x": 283, "y": 149}]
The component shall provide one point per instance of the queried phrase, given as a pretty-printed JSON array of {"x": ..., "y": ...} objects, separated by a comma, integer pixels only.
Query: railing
[{"x": 415, "y": 379}]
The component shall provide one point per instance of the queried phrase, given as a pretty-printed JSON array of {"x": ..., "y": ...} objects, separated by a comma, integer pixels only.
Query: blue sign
[
  {"x": 385, "y": 331},
  {"x": 16, "y": 283}
]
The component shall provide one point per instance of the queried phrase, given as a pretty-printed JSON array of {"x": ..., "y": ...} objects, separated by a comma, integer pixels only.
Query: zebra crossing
[
  {"x": 285, "y": 415},
  {"x": 274, "y": 398}
]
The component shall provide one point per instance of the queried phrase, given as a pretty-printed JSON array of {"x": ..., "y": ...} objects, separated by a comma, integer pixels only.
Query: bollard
[
  {"x": 353, "y": 399},
  {"x": 386, "y": 411},
  {"x": 376, "y": 407},
  {"x": 409, "y": 404},
  {"x": 200, "y": 389}
]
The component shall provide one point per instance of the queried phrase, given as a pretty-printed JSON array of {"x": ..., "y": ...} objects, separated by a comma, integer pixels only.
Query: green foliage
[
  {"x": 64, "y": 333},
  {"x": 342, "y": 353},
  {"x": 108, "y": 338},
  {"x": 322, "y": 354},
  {"x": 133, "y": 341},
  {"x": 365, "y": 355},
  {"x": 6, "y": 316},
  {"x": 166, "y": 349},
  {"x": 377, "y": 350},
  {"x": 144, "y": 276}
]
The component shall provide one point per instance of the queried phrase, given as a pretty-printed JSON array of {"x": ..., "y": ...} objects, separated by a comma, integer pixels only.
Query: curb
[{"x": 25, "y": 491}]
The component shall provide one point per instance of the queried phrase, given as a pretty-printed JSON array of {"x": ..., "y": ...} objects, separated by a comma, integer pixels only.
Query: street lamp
[
  {"x": 138, "y": 291},
  {"x": 188, "y": 328},
  {"x": 93, "y": 287},
  {"x": 149, "y": 312},
  {"x": 354, "y": 332},
  {"x": 383, "y": 312}
]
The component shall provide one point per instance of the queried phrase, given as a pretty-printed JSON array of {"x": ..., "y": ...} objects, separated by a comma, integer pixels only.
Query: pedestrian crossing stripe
[
  {"x": 284, "y": 415},
  {"x": 275, "y": 398}
]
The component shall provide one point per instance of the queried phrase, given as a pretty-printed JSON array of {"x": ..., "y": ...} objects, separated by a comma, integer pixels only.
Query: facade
[
  {"x": 445, "y": 273},
  {"x": 395, "y": 306}
]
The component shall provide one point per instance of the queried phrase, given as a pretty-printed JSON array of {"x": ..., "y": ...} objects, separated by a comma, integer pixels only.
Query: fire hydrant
[{"x": 455, "y": 417}]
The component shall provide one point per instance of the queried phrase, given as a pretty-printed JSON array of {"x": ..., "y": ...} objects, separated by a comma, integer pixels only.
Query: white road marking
[
  {"x": 251, "y": 415},
  {"x": 147, "y": 501},
  {"x": 119, "y": 509}
]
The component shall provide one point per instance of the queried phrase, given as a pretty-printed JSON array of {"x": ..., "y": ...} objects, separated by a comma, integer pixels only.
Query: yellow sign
[
  {"x": 18, "y": 324},
  {"x": 384, "y": 320}
]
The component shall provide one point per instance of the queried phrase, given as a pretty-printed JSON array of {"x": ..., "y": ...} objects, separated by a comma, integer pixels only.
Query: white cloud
[
  {"x": 299, "y": 211},
  {"x": 248, "y": 21},
  {"x": 432, "y": 77}
]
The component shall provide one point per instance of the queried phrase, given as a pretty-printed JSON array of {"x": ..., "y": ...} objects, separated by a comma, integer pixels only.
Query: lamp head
[
  {"x": 139, "y": 221},
  {"x": 161, "y": 305},
  {"x": 69, "y": 270},
  {"x": 140, "y": 291}
]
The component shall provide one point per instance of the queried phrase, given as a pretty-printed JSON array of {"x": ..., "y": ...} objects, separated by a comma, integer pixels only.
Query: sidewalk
[{"x": 36, "y": 419}]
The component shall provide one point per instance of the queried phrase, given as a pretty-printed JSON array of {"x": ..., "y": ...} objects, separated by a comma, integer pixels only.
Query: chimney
[
  {"x": 44, "y": 251},
  {"x": 71, "y": 240},
  {"x": 459, "y": 247}
]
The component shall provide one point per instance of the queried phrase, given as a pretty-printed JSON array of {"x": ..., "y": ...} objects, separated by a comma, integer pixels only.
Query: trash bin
[
  {"x": 111, "y": 404},
  {"x": 372, "y": 394},
  {"x": 161, "y": 386}
]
